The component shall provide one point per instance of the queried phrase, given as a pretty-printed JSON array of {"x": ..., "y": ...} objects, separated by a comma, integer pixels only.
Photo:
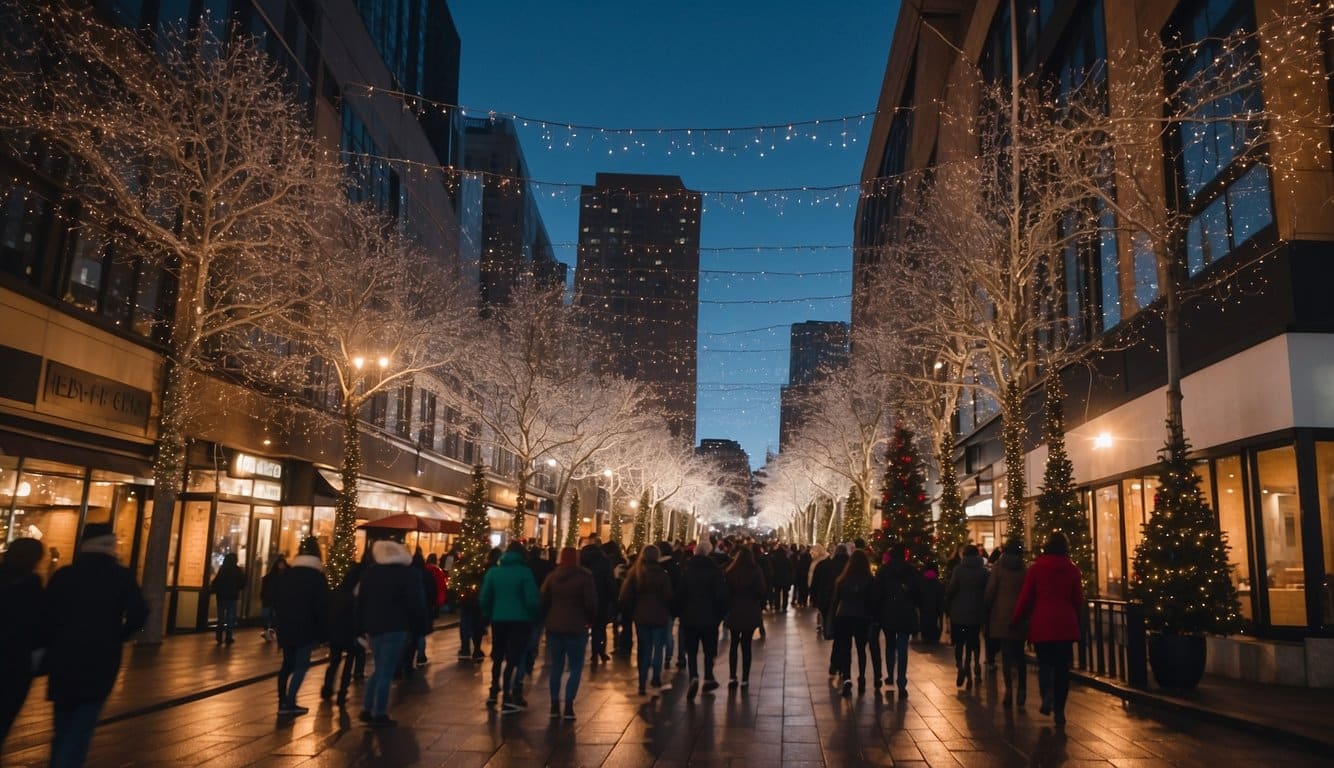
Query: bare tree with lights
[{"x": 194, "y": 157}]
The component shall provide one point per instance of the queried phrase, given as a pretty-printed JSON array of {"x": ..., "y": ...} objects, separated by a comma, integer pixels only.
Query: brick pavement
[{"x": 790, "y": 716}]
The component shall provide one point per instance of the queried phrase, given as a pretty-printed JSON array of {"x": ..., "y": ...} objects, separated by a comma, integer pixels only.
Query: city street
[{"x": 790, "y": 716}]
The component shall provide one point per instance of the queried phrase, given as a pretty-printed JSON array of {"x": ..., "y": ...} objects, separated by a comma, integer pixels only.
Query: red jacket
[{"x": 1054, "y": 599}]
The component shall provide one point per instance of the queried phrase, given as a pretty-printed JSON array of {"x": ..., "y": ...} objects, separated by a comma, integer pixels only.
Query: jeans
[
  {"x": 226, "y": 618},
  {"x": 386, "y": 650},
  {"x": 652, "y": 642},
  {"x": 470, "y": 630},
  {"x": 1054, "y": 660},
  {"x": 296, "y": 660},
  {"x": 694, "y": 638},
  {"x": 740, "y": 640},
  {"x": 897, "y": 654},
  {"x": 565, "y": 648},
  {"x": 73, "y": 732}
]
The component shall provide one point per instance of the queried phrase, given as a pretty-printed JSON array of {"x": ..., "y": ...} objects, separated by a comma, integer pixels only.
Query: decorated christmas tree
[
  {"x": 474, "y": 542},
  {"x": 854, "y": 516},
  {"x": 905, "y": 512},
  {"x": 952, "y": 527},
  {"x": 1181, "y": 571},
  {"x": 1060, "y": 509},
  {"x": 572, "y": 526}
]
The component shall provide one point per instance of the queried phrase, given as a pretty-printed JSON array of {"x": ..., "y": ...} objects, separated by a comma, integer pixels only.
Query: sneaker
[
  {"x": 745, "y": 683},
  {"x": 569, "y": 711},
  {"x": 517, "y": 699},
  {"x": 555, "y": 710},
  {"x": 847, "y": 689},
  {"x": 383, "y": 721},
  {"x": 464, "y": 655},
  {"x": 293, "y": 710},
  {"x": 694, "y": 687},
  {"x": 710, "y": 685},
  {"x": 510, "y": 708},
  {"x": 478, "y": 656},
  {"x": 731, "y": 684}
]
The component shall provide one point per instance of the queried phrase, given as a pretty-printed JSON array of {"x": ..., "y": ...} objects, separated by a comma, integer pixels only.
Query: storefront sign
[
  {"x": 93, "y": 395},
  {"x": 245, "y": 465},
  {"x": 269, "y": 491}
]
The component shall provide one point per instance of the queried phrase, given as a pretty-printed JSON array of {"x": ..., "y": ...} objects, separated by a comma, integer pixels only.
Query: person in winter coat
[
  {"x": 746, "y": 592},
  {"x": 429, "y": 600},
  {"x": 896, "y": 595},
  {"x": 569, "y": 599},
  {"x": 818, "y": 554},
  {"x": 646, "y": 597},
  {"x": 851, "y": 612},
  {"x": 389, "y": 606},
  {"x": 932, "y": 607},
  {"x": 343, "y": 645},
  {"x": 226, "y": 588},
  {"x": 623, "y": 626},
  {"x": 20, "y": 627},
  {"x": 673, "y": 565},
  {"x": 825, "y": 573},
  {"x": 510, "y": 601},
  {"x": 780, "y": 563},
  {"x": 301, "y": 597},
  {"x": 91, "y": 608},
  {"x": 1052, "y": 599},
  {"x": 1003, "y": 588},
  {"x": 703, "y": 602},
  {"x": 278, "y": 565},
  {"x": 967, "y": 601},
  {"x": 441, "y": 583},
  {"x": 801, "y": 577},
  {"x": 595, "y": 561}
]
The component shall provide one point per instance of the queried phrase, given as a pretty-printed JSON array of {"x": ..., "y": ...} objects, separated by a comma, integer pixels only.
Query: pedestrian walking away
[
  {"x": 896, "y": 595},
  {"x": 226, "y": 589},
  {"x": 594, "y": 559},
  {"x": 852, "y": 619},
  {"x": 345, "y": 652},
  {"x": 966, "y": 598},
  {"x": 569, "y": 600},
  {"x": 91, "y": 608},
  {"x": 932, "y": 607},
  {"x": 1003, "y": 587},
  {"x": 301, "y": 598},
  {"x": 702, "y": 602},
  {"x": 510, "y": 603},
  {"x": 646, "y": 598},
  {"x": 20, "y": 627},
  {"x": 389, "y": 606},
  {"x": 746, "y": 592},
  {"x": 267, "y": 613},
  {"x": 1052, "y": 599}
]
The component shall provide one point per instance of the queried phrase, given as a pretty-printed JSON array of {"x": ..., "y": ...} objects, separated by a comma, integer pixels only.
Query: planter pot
[{"x": 1177, "y": 661}]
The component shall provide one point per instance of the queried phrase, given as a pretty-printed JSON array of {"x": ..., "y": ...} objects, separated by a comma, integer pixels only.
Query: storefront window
[
  {"x": 1232, "y": 521},
  {"x": 323, "y": 527},
  {"x": 230, "y": 534},
  {"x": 1203, "y": 472},
  {"x": 1280, "y": 514},
  {"x": 1324, "y": 463},
  {"x": 295, "y": 527},
  {"x": 1138, "y": 495},
  {"x": 9, "y": 474},
  {"x": 201, "y": 481},
  {"x": 47, "y": 500},
  {"x": 1107, "y": 511},
  {"x": 192, "y": 545}
]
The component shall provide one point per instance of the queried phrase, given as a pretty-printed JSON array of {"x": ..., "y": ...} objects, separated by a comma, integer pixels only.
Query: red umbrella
[{"x": 406, "y": 522}]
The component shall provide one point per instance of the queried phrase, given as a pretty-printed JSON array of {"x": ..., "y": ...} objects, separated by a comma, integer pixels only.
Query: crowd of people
[{"x": 668, "y": 603}]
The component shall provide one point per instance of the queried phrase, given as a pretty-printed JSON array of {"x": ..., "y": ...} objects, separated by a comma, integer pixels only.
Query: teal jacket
[{"x": 509, "y": 592}]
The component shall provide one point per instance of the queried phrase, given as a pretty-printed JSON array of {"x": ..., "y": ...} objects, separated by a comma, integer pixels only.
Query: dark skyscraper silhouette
[{"x": 816, "y": 346}]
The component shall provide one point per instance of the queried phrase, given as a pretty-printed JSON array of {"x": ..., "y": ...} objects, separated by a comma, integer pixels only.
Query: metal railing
[{"x": 1114, "y": 643}]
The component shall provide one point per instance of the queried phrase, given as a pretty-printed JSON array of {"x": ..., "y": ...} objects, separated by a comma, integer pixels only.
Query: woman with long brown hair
[
  {"x": 746, "y": 590},
  {"x": 646, "y": 596},
  {"x": 852, "y": 619}
]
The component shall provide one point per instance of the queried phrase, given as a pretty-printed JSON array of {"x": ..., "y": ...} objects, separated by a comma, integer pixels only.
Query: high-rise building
[
  {"x": 637, "y": 281},
  {"x": 734, "y": 462},
  {"x": 1255, "y": 335},
  {"x": 815, "y": 347},
  {"x": 513, "y": 238}
]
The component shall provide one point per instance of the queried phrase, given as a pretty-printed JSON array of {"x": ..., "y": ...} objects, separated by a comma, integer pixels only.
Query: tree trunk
[
  {"x": 520, "y": 506},
  {"x": 342, "y": 553},
  {"x": 168, "y": 474},
  {"x": 1012, "y": 435},
  {"x": 1176, "y": 432}
]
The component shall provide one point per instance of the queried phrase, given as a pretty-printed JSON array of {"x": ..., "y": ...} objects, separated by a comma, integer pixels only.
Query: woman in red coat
[{"x": 1053, "y": 600}]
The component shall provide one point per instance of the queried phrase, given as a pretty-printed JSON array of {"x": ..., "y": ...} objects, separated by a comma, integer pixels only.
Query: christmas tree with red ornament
[{"x": 905, "y": 510}]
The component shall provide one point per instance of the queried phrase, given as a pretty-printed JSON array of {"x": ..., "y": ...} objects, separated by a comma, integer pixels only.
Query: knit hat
[{"x": 309, "y": 546}]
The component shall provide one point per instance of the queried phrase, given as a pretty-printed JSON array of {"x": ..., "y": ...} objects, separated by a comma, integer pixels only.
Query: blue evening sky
[{"x": 701, "y": 63}]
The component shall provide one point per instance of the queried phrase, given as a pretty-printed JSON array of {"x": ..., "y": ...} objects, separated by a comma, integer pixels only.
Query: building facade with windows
[
  {"x": 814, "y": 347},
  {"x": 83, "y": 329},
  {"x": 1255, "y": 347},
  {"x": 637, "y": 281}
]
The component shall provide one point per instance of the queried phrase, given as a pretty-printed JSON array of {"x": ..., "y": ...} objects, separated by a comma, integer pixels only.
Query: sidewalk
[
  {"x": 1305, "y": 715},
  {"x": 184, "y": 668}
]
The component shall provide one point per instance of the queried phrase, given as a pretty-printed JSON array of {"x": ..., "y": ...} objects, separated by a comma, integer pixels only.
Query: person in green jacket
[{"x": 510, "y": 602}]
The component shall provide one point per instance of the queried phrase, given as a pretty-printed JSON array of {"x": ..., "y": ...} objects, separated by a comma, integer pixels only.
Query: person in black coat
[
  {"x": 226, "y": 588},
  {"x": 389, "y": 606},
  {"x": 20, "y": 627},
  {"x": 90, "y": 609},
  {"x": 343, "y": 646},
  {"x": 301, "y": 597},
  {"x": 670, "y": 562},
  {"x": 801, "y": 582},
  {"x": 780, "y": 564},
  {"x": 852, "y": 616},
  {"x": 746, "y": 592},
  {"x": 278, "y": 565},
  {"x": 595, "y": 560},
  {"x": 932, "y": 607},
  {"x": 429, "y": 594},
  {"x": 822, "y": 590},
  {"x": 896, "y": 595},
  {"x": 701, "y": 603}
]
